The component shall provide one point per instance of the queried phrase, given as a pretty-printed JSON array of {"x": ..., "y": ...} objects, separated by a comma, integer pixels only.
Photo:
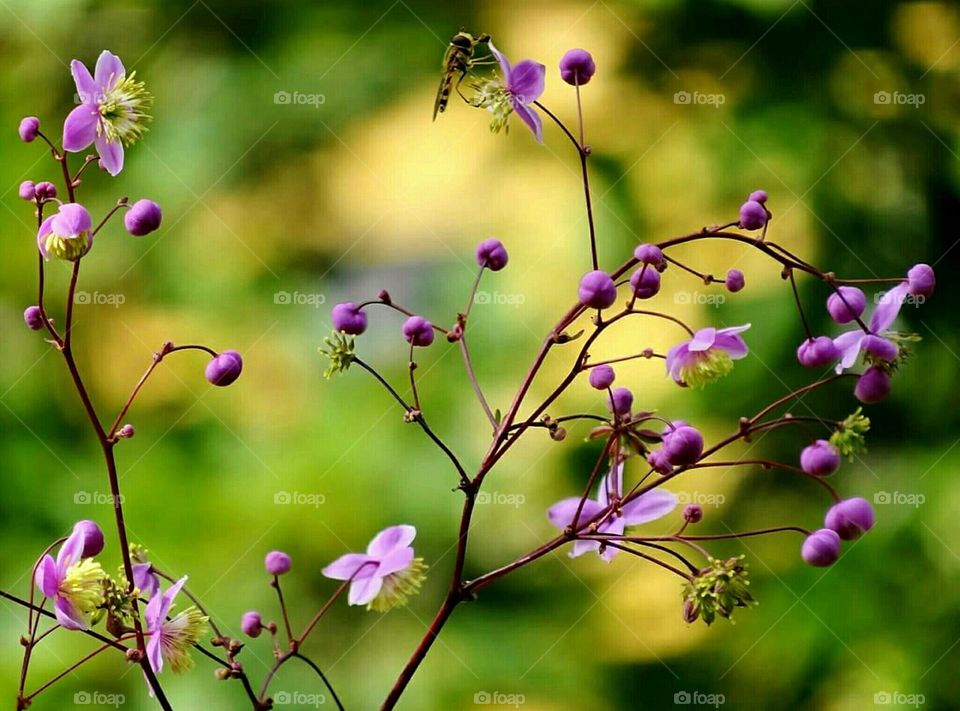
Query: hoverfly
[{"x": 457, "y": 60}]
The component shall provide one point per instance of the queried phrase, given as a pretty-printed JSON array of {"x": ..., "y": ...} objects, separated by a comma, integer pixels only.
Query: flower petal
[
  {"x": 166, "y": 601},
  {"x": 154, "y": 655},
  {"x": 526, "y": 81},
  {"x": 145, "y": 580},
  {"x": 71, "y": 220},
  {"x": 70, "y": 551},
  {"x": 735, "y": 346},
  {"x": 397, "y": 559},
  {"x": 389, "y": 539},
  {"x": 80, "y": 128},
  {"x": 351, "y": 565},
  {"x": 581, "y": 547},
  {"x": 46, "y": 577},
  {"x": 849, "y": 346},
  {"x": 676, "y": 358},
  {"x": 68, "y": 616},
  {"x": 561, "y": 513},
  {"x": 649, "y": 507},
  {"x": 612, "y": 483},
  {"x": 86, "y": 86},
  {"x": 364, "y": 590},
  {"x": 45, "y": 229},
  {"x": 111, "y": 155},
  {"x": 888, "y": 308},
  {"x": 504, "y": 62},
  {"x": 531, "y": 118},
  {"x": 109, "y": 69},
  {"x": 702, "y": 340}
]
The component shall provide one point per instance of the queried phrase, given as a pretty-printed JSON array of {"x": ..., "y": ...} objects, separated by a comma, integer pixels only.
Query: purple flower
[
  {"x": 577, "y": 67},
  {"x": 820, "y": 458},
  {"x": 112, "y": 112},
  {"x": 73, "y": 582},
  {"x": 171, "y": 640},
  {"x": 734, "y": 281},
  {"x": 33, "y": 318},
  {"x": 277, "y": 563},
  {"x": 645, "y": 282},
  {"x": 601, "y": 377},
  {"x": 658, "y": 461},
  {"x": 873, "y": 386},
  {"x": 143, "y": 218},
  {"x": 652, "y": 505},
  {"x": 522, "y": 85},
  {"x": 92, "y": 537},
  {"x": 846, "y": 304},
  {"x": 251, "y": 624},
  {"x": 349, "y": 318},
  {"x": 850, "y": 518},
  {"x": 492, "y": 254},
  {"x": 29, "y": 129},
  {"x": 650, "y": 254},
  {"x": 753, "y": 215},
  {"x": 45, "y": 190},
  {"x": 852, "y": 342},
  {"x": 682, "y": 443},
  {"x": 693, "y": 513},
  {"x": 224, "y": 369},
  {"x": 707, "y": 356},
  {"x": 597, "y": 290},
  {"x": 145, "y": 580},
  {"x": 418, "y": 331},
  {"x": 817, "y": 352},
  {"x": 821, "y": 548},
  {"x": 27, "y": 191},
  {"x": 921, "y": 280},
  {"x": 386, "y": 575},
  {"x": 759, "y": 196},
  {"x": 66, "y": 235},
  {"x": 620, "y": 401}
]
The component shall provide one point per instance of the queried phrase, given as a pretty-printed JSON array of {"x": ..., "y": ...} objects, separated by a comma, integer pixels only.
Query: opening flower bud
[
  {"x": 682, "y": 444},
  {"x": 66, "y": 235},
  {"x": 349, "y": 318},
  {"x": 850, "y": 518},
  {"x": 492, "y": 254},
  {"x": 821, "y": 548},
  {"x": 92, "y": 537},
  {"x": 645, "y": 282},
  {"x": 873, "y": 386},
  {"x": 817, "y": 352},
  {"x": 820, "y": 459},
  {"x": 45, "y": 190},
  {"x": 224, "y": 369},
  {"x": 620, "y": 401},
  {"x": 143, "y": 218}
]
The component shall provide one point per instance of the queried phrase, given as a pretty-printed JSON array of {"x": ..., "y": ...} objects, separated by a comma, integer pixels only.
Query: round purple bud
[
  {"x": 33, "y": 318},
  {"x": 734, "y": 281},
  {"x": 873, "y": 386},
  {"x": 29, "y": 129},
  {"x": 492, "y": 254},
  {"x": 645, "y": 282},
  {"x": 682, "y": 444},
  {"x": 27, "y": 191},
  {"x": 126, "y": 431},
  {"x": 759, "y": 196},
  {"x": 45, "y": 190},
  {"x": 418, "y": 331},
  {"x": 817, "y": 352},
  {"x": 349, "y": 318},
  {"x": 277, "y": 563},
  {"x": 597, "y": 290},
  {"x": 224, "y": 369},
  {"x": 753, "y": 215},
  {"x": 650, "y": 254},
  {"x": 92, "y": 537},
  {"x": 657, "y": 459},
  {"x": 856, "y": 302},
  {"x": 879, "y": 348},
  {"x": 921, "y": 280},
  {"x": 692, "y": 513},
  {"x": 821, "y": 548},
  {"x": 251, "y": 624},
  {"x": 850, "y": 518},
  {"x": 820, "y": 459},
  {"x": 577, "y": 67},
  {"x": 620, "y": 401},
  {"x": 143, "y": 218},
  {"x": 601, "y": 377}
]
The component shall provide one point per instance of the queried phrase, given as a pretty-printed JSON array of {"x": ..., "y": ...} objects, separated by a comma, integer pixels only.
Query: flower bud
[
  {"x": 734, "y": 281},
  {"x": 27, "y": 191},
  {"x": 277, "y": 563},
  {"x": 759, "y": 196},
  {"x": 650, "y": 254},
  {"x": 492, "y": 254},
  {"x": 224, "y": 369},
  {"x": 856, "y": 302},
  {"x": 850, "y": 518},
  {"x": 143, "y": 218},
  {"x": 658, "y": 461},
  {"x": 880, "y": 348},
  {"x": 418, "y": 331},
  {"x": 92, "y": 538},
  {"x": 645, "y": 282},
  {"x": 251, "y": 624},
  {"x": 349, "y": 318},
  {"x": 620, "y": 401},
  {"x": 66, "y": 235},
  {"x": 601, "y": 377},
  {"x": 29, "y": 129},
  {"x": 873, "y": 386},
  {"x": 817, "y": 352},
  {"x": 753, "y": 215},
  {"x": 692, "y": 513},
  {"x": 682, "y": 444},
  {"x": 45, "y": 190},
  {"x": 126, "y": 431},
  {"x": 597, "y": 290},
  {"x": 821, "y": 548},
  {"x": 577, "y": 67},
  {"x": 820, "y": 459},
  {"x": 921, "y": 280},
  {"x": 33, "y": 318}
]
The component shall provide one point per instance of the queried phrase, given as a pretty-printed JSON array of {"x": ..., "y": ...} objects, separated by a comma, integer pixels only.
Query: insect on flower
[{"x": 457, "y": 60}]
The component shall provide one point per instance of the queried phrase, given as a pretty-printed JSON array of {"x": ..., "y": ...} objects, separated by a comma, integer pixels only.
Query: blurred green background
[{"x": 360, "y": 191}]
